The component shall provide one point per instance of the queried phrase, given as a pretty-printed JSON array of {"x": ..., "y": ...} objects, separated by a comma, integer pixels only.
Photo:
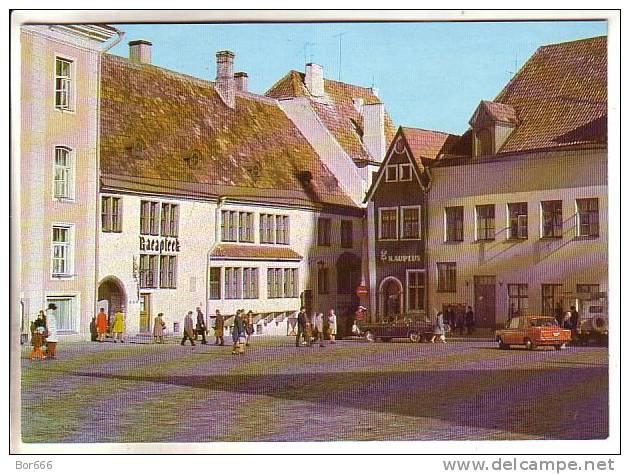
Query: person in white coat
[{"x": 51, "y": 330}]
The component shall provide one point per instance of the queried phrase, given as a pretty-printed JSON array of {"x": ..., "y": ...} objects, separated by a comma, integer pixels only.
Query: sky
[{"x": 430, "y": 75}]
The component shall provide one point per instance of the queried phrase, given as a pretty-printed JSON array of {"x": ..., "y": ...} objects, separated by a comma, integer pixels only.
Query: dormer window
[
  {"x": 492, "y": 123},
  {"x": 483, "y": 142}
]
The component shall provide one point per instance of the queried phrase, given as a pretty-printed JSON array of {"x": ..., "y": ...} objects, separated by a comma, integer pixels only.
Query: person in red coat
[{"x": 101, "y": 324}]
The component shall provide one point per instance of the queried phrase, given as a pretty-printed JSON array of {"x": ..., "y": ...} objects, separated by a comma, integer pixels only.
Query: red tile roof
[
  {"x": 254, "y": 252},
  {"x": 498, "y": 112},
  {"x": 340, "y": 115},
  {"x": 429, "y": 144},
  {"x": 560, "y": 96},
  {"x": 161, "y": 125}
]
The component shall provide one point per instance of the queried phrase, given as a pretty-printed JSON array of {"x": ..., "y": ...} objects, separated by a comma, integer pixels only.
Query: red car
[{"x": 531, "y": 332}]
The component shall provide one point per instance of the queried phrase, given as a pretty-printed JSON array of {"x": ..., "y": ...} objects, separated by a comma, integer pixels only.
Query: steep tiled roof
[
  {"x": 254, "y": 252},
  {"x": 560, "y": 96},
  {"x": 338, "y": 114},
  {"x": 497, "y": 112},
  {"x": 175, "y": 129},
  {"x": 429, "y": 144}
]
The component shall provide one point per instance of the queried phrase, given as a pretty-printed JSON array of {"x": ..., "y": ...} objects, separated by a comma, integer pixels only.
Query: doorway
[
  {"x": 111, "y": 291},
  {"x": 145, "y": 313},
  {"x": 390, "y": 298},
  {"x": 485, "y": 301}
]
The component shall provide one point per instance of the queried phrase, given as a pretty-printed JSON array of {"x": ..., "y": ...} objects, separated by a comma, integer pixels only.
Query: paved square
[{"x": 352, "y": 390}]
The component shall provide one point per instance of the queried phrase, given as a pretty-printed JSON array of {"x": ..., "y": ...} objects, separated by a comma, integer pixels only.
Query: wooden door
[
  {"x": 145, "y": 312},
  {"x": 485, "y": 301}
]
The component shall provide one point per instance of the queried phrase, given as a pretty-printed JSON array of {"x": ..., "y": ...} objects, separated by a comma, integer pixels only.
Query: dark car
[{"x": 414, "y": 329}]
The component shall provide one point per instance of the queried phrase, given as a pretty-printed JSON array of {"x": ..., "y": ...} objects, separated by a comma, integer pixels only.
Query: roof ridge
[
  {"x": 551, "y": 45},
  {"x": 428, "y": 130}
]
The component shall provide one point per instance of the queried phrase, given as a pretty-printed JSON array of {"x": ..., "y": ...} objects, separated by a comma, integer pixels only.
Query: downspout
[{"x": 120, "y": 37}]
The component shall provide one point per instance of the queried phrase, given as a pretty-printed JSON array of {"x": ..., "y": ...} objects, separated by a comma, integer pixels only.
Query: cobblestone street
[{"x": 352, "y": 390}]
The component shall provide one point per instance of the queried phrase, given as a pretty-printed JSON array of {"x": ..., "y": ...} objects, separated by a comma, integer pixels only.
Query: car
[
  {"x": 593, "y": 324},
  {"x": 532, "y": 332},
  {"x": 414, "y": 329}
]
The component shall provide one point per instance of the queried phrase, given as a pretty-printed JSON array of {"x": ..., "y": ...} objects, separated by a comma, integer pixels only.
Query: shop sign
[
  {"x": 386, "y": 257},
  {"x": 159, "y": 244}
]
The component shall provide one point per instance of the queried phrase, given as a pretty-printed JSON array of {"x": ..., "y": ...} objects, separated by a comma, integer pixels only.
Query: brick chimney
[
  {"x": 140, "y": 51},
  {"x": 374, "y": 130},
  {"x": 314, "y": 79},
  {"x": 240, "y": 79},
  {"x": 225, "y": 77}
]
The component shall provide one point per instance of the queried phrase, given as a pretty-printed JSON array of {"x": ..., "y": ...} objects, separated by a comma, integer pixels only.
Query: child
[{"x": 37, "y": 340}]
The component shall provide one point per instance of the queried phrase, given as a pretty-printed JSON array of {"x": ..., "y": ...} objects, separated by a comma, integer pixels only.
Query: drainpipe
[
  {"x": 120, "y": 35},
  {"x": 217, "y": 238}
]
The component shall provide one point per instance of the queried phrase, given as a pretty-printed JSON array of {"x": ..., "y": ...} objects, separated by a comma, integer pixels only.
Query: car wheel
[
  {"x": 369, "y": 336},
  {"x": 529, "y": 345},
  {"x": 559, "y": 347},
  {"x": 414, "y": 336},
  {"x": 502, "y": 345}
]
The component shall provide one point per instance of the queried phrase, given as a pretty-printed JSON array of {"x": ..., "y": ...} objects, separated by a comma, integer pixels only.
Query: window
[
  {"x": 148, "y": 271},
  {"x": 168, "y": 271},
  {"x": 415, "y": 290},
  {"x": 282, "y": 230},
  {"x": 518, "y": 299},
  {"x": 587, "y": 217},
  {"x": 266, "y": 228},
  {"x": 483, "y": 142},
  {"x": 250, "y": 283},
  {"x": 323, "y": 232},
  {"x": 170, "y": 219},
  {"x": 111, "y": 214},
  {"x": 551, "y": 219},
  {"x": 485, "y": 222},
  {"x": 229, "y": 221},
  {"x": 149, "y": 217},
  {"x": 587, "y": 288},
  {"x": 63, "y": 84},
  {"x": 404, "y": 172},
  {"x": 272, "y": 289},
  {"x": 388, "y": 223},
  {"x": 290, "y": 283},
  {"x": 551, "y": 296},
  {"x": 282, "y": 283},
  {"x": 391, "y": 173},
  {"x": 454, "y": 217},
  {"x": 245, "y": 227},
  {"x": 323, "y": 287},
  {"x": 346, "y": 234},
  {"x": 237, "y": 226},
  {"x": 410, "y": 225},
  {"x": 233, "y": 283},
  {"x": 517, "y": 220},
  {"x": 61, "y": 251},
  {"x": 62, "y": 172},
  {"x": 65, "y": 312},
  {"x": 446, "y": 276},
  {"x": 215, "y": 283}
]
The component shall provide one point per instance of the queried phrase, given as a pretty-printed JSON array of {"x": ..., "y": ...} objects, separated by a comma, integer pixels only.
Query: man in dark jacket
[
  {"x": 301, "y": 325},
  {"x": 201, "y": 326},
  {"x": 574, "y": 319},
  {"x": 470, "y": 320},
  {"x": 559, "y": 314}
]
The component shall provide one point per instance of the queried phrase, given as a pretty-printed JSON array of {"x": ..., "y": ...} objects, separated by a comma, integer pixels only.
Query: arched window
[{"x": 62, "y": 173}]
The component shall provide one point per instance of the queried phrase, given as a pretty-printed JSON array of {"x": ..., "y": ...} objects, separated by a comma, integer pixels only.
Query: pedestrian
[
  {"x": 118, "y": 326},
  {"x": 238, "y": 335},
  {"x": 318, "y": 328},
  {"x": 308, "y": 333},
  {"x": 566, "y": 323},
  {"x": 101, "y": 325},
  {"x": 301, "y": 325},
  {"x": 470, "y": 320},
  {"x": 439, "y": 330},
  {"x": 188, "y": 329},
  {"x": 460, "y": 321},
  {"x": 37, "y": 340},
  {"x": 249, "y": 326},
  {"x": 218, "y": 328},
  {"x": 559, "y": 314},
  {"x": 332, "y": 325},
  {"x": 574, "y": 319},
  {"x": 51, "y": 331},
  {"x": 93, "y": 331},
  {"x": 158, "y": 329},
  {"x": 201, "y": 326},
  {"x": 450, "y": 317}
]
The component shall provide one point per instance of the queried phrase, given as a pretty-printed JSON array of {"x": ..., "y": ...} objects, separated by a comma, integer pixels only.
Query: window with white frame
[
  {"x": 517, "y": 220},
  {"x": 149, "y": 218},
  {"x": 66, "y": 312},
  {"x": 410, "y": 222},
  {"x": 454, "y": 224},
  {"x": 485, "y": 222},
  {"x": 168, "y": 271},
  {"x": 250, "y": 283},
  {"x": 148, "y": 273},
  {"x": 415, "y": 290},
  {"x": 61, "y": 251},
  {"x": 446, "y": 276},
  {"x": 587, "y": 217},
  {"x": 518, "y": 299},
  {"x": 233, "y": 283},
  {"x": 63, "y": 84},
  {"x": 169, "y": 222},
  {"x": 404, "y": 172},
  {"x": 215, "y": 283},
  {"x": 111, "y": 214},
  {"x": 62, "y": 172},
  {"x": 245, "y": 227},
  {"x": 391, "y": 173},
  {"x": 267, "y": 228},
  {"x": 551, "y": 219},
  {"x": 388, "y": 223}
]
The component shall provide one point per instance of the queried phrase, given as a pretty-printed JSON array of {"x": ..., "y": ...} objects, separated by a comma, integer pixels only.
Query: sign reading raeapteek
[
  {"x": 385, "y": 257},
  {"x": 159, "y": 244}
]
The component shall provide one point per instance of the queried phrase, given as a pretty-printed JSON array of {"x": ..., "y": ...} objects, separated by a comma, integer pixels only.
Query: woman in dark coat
[{"x": 238, "y": 334}]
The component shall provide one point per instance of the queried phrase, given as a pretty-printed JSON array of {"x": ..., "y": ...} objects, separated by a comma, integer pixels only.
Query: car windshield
[{"x": 543, "y": 322}]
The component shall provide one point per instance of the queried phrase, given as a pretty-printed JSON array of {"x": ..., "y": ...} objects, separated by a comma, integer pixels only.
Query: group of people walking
[
  {"x": 117, "y": 327},
  {"x": 309, "y": 331},
  {"x": 44, "y": 333}
]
